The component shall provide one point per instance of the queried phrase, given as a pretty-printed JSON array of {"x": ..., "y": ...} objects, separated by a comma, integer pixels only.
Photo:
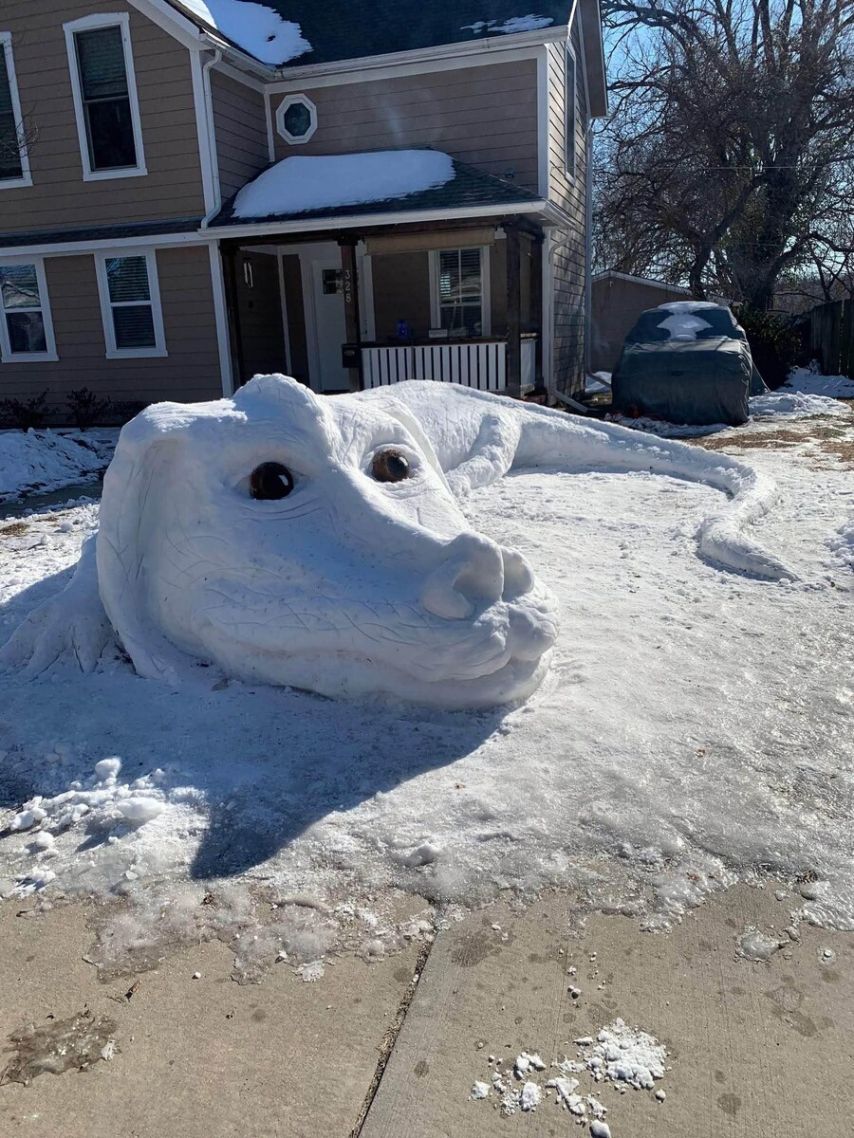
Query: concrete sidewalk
[{"x": 754, "y": 1048}]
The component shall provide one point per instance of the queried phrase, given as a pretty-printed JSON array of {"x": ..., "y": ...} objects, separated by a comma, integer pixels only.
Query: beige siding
[
  {"x": 59, "y": 198},
  {"x": 241, "y": 132},
  {"x": 190, "y": 371},
  {"x": 569, "y": 193},
  {"x": 486, "y": 116},
  {"x": 401, "y": 292}
]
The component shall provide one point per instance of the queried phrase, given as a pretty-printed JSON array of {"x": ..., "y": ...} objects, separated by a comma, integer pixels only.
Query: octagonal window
[{"x": 296, "y": 119}]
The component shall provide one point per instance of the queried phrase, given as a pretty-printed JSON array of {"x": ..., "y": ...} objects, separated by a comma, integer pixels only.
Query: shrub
[
  {"x": 25, "y": 414},
  {"x": 85, "y": 408},
  {"x": 774, "y": 344}
]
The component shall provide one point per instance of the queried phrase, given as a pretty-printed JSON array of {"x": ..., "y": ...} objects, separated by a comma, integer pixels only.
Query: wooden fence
[{"x": 831, "y": 337}]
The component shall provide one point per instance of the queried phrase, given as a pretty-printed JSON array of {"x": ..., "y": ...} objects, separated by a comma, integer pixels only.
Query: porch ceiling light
[{"x": 296, "y": 119}]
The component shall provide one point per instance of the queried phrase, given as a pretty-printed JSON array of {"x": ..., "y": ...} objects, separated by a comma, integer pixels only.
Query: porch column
[
  {"x": 514, "y": 312},
  {"x": 229, "y": 280},
  {"x": 352, "y": 318},
  {"x": 536, "y": 313}
]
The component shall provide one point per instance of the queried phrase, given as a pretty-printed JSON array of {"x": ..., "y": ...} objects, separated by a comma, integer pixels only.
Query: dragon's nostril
[
  {"x": 518, "y": 575},
  {"x": 471, "y": 575}
]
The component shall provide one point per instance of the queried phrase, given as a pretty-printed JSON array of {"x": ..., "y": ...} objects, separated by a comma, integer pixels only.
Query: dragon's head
[{"x": 312, "y": 542}]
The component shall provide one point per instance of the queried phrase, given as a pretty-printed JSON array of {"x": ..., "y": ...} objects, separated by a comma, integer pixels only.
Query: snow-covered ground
[
  {"x": 810, "y": 382},
  {"x": 695, "y": 729},
  {"x": 39, "y": 461}
]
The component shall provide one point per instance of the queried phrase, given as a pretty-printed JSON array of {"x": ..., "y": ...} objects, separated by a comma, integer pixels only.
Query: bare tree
[{"x": 728, "y": 161}]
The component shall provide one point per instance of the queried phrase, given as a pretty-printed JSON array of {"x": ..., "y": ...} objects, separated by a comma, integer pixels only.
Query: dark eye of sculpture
[
  {"x": 270, "y": 481},
  {"x": 390, "y": 466}
]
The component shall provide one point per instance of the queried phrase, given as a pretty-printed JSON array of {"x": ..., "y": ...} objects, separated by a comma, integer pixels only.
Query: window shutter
[{"x": 102, "y": 63}]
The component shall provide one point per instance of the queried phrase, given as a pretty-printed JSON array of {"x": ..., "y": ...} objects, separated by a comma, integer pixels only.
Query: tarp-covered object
[{"x": 686, "y": 361}]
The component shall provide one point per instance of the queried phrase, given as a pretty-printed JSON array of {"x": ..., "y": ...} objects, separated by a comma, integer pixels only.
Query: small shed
[{"x": 618, "y": 299}]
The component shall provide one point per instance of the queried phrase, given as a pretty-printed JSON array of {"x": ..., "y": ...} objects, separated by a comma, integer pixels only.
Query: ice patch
[
  {"x": 756, "y": 945},
  {"x": 307, "y": 184}
]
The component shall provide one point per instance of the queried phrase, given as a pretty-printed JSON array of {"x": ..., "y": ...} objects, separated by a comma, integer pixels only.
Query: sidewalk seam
[{"x": 391, "y": 1036}]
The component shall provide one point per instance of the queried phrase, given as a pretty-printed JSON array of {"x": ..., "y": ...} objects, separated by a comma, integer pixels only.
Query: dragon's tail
[{"x": 552, "y": 438}]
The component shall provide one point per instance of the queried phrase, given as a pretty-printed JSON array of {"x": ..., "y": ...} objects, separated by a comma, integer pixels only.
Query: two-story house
[{"x": 193, "y": 191}]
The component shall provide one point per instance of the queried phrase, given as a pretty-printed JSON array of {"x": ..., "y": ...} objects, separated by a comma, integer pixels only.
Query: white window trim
[
  {"x": 288, "y": 102},
  {"x": 88, "y": 23},
  {"x": 26, "y": 178},
  {"x": 114, "y": 352},
  {"x": 485, "y": 287},
  {"x": 49, "y": 356},
  {"x": 571, "y": 144}
]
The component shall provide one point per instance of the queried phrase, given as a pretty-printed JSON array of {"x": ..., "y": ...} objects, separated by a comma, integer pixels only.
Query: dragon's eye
[
  {"x": 390, "y": 466},
  {"x": 270, "y": 481}
]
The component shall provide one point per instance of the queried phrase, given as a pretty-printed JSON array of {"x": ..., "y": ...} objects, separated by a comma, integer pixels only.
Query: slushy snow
[
  {"x": 306, "y": 184},
  {"x": 257, "y": 29}
]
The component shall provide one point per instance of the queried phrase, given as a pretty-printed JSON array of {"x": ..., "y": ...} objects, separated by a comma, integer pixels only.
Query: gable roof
[{"x": 336, "y": 30}]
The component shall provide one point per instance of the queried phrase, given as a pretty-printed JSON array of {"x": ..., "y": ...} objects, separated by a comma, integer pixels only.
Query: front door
[{"x": 329, "y": 326}]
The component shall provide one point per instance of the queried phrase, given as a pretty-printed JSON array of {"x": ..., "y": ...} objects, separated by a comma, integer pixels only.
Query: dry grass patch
[{"x": 14, "y": 530}]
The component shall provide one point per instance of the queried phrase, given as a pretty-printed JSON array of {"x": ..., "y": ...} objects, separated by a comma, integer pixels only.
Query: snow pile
[
  {"x": 34, "y": 461},
  {"x": 810, "y": 382},
  {"x": 306, "y": 184},
  {"x": 782, "y": 404},
  {"x": 621, "y": 1054},
  {"x": 625, "y": 1054},
  {"x": 257, "y": 29},
  {"x": 509, "y": 27},
  {"x": 842, "y": 543}
]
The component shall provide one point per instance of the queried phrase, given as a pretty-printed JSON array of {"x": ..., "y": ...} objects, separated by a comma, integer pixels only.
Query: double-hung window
[
  {"x": 14, "y": 163},
  {"x": 130, "y": 304},
  {"x": 460, "y": 291},
  {"x": 105, "y": 99},
  {"x": 26, "y": 331}
]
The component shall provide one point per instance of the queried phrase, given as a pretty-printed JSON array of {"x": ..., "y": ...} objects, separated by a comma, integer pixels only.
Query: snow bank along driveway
[{"x": 695, "y": 729}]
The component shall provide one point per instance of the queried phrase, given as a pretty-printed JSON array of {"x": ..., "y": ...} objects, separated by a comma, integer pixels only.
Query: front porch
[
  {"x": 444, "y": 283},
  {"x": 459, "y": 305}
]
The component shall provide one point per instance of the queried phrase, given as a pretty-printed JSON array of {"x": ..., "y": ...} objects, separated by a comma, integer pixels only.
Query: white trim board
[
  {"x": 223, "y": 341},
  {"x": 201, "y": 107},
  {"x": 607, "y": 274},
  {"x": 26, "y": 178},
  {"x": 70, "y": 248},
  {"x": 315, "y": 225},
  {"x": 158, "y": 349},
  {"x": 48, "y": 356},
  {"x": 91, "y": 23}
]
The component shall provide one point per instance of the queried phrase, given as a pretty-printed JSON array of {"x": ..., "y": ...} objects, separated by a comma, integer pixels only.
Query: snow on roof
[
  {"x": 302, "y": 184},
  {"x": 254, "y": 27},
  {"x": 530, "y": 23}
]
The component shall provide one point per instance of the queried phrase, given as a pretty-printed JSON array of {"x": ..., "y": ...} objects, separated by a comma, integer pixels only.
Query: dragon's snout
[{"x": 474, "y": 573}]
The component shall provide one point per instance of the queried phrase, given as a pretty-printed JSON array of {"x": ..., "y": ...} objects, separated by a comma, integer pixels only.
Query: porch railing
[{"x": 473, "y": 363}]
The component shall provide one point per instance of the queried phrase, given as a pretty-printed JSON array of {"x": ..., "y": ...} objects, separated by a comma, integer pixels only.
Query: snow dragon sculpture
[{"x": 318, "y": 542}]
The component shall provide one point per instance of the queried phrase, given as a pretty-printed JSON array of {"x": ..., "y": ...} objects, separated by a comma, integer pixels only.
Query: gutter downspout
[
  {"x": 206, "y": 86},
  {"x": 588, "y": 248}
]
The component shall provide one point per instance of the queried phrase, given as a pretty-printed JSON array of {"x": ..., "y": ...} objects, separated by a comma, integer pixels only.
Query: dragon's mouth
[{"x": 397, "y": 650}]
